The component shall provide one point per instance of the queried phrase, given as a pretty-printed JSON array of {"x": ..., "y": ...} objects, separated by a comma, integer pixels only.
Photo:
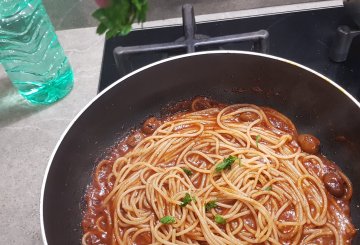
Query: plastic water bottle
[{"x": 31, "y": 54}]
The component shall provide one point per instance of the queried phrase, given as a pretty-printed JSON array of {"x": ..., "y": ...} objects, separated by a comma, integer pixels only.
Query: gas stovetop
[{"x": 304, "y": 37}]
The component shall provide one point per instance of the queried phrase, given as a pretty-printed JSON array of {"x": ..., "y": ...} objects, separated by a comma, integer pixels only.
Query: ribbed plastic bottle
[{"x": 31, "y": 54}]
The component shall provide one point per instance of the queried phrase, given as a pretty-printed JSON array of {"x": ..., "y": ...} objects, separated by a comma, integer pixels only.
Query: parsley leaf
[
  {"x": 258, "y": 138},
  {"x": 219, "y": 219},
  {"x": 210, "y": 205},
  {"x": 225, "y": 164},
  {"x": 168, "y": 220},
  {"x": 186, "y": 200},
  {"x": 269, "y": 188},
  {"x": 187, "y": 171}
]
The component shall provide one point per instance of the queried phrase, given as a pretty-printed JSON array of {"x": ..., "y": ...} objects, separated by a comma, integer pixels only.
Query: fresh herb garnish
[
  {"x": 219, "y": 219},
  {"x": 187, "y": 171},
  {"x": 186, "y": 200},
  {"x": 117, "y": 17},
  {"x": 210, "y": 205},
  {"x": 258, "y": 138},
  {"x": 269, "y": 188},
  {"x": 226, "y": 163},
  {"x": 168, "y": 220}
]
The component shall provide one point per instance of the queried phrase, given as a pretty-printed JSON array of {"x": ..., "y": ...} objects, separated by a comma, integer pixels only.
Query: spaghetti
[{"x": 217, "y": 175}]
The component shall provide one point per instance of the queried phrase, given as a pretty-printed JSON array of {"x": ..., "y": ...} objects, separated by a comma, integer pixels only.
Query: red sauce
[
  {"x": 250, "y": 221},
  {"x": 143, "y": 239},
  {"x": 278, "y": 123}
]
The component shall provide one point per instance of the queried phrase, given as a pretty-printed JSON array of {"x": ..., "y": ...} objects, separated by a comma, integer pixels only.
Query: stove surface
[{"x": 303, "y": 37}]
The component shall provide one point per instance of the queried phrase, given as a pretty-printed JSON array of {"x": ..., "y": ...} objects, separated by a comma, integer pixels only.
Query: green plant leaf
[
  {"x": 187, "y": 171},
  {"x": 101, "y": 29},
  {"x": 168, "y": 220},
  {"x": 269, "y": 188},
  {"x": 186, "y": 200},
  {"x": 219, "y": 219},
  {"x": 210, "y": 205},
  {"x": 226, "y": 163},
  {"x": 258, "y": 138},
  {"x": 99, "y": 14},
  {"x": 118, "y": 18},
  {"x": 137, "y": 4}
]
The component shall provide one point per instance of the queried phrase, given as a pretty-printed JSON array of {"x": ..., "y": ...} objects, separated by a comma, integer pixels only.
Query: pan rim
[{"x": 72, "y": 122}]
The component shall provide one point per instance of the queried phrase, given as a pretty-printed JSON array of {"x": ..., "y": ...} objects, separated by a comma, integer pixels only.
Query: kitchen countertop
[
  {"x": 28, "y": 135},
  {"x": 68, "y": 14}
]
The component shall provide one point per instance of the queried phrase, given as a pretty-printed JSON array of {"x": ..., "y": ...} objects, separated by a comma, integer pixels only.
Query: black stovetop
[{"x": 304, "y": 37}]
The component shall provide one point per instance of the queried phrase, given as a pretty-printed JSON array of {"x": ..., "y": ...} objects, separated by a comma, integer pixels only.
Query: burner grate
[
  {"x": 341, "y": 44},
  {"x": 189, "y": 43}
]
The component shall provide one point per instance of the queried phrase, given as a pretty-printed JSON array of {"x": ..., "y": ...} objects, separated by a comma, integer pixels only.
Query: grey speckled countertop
[
  {"x": 28, "y": 135},
  {"x": 67, "y": 14}
]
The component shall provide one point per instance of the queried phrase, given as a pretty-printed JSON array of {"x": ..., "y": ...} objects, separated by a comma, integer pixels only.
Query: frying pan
[{"x": 314, "y": 103}]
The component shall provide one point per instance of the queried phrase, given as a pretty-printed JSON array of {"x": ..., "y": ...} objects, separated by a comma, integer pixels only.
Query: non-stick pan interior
[{"x": 310, "y": 101}]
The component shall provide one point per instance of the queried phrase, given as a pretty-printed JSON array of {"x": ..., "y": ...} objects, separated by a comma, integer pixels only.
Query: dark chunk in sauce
[
  {"x": 122, "y": 149},
  {"x": 334, "y": 184},
  {"x": 309, "y": 143},
  {"x": 201, "y": 103},
  {"x": 134, "y": 139},
  {"x": 150, "y": 125},
  {"x": 248, "y": 116}
]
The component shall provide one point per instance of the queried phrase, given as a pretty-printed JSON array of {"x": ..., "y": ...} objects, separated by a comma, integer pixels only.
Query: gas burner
[
  {"x": 188, "y": 43},
  {"x": 304, "y": 37},
  {"x": 342, "y": 42}
]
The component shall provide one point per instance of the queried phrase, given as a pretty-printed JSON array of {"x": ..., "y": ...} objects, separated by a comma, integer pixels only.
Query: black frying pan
[{"x": 314, "y": 103}]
